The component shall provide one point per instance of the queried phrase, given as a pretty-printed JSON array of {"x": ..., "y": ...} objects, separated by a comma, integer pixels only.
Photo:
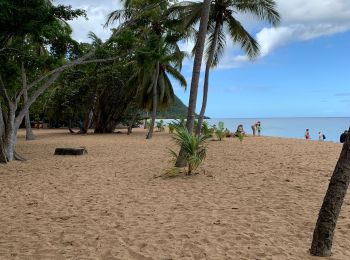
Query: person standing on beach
[
  {"x": 320, "y": 136},
  {"x": 254, "y": 127},
  {"x": 307, "y": 134},
  {"x": 258, "y": 127}
]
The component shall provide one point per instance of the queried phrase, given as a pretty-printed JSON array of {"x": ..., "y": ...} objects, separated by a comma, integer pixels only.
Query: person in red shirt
[{"x": 307, "y": 134}]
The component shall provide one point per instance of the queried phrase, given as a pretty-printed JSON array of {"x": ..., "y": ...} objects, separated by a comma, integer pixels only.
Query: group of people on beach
[
  {"x": 256, "y": 128},
  {"x": 321, "y": 136}
]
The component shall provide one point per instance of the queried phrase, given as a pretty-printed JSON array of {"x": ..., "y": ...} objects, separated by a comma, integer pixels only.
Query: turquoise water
[{"x": 332, "y": 127}]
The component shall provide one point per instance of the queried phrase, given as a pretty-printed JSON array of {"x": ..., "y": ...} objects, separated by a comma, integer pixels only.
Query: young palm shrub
[
  {"x": 194, "y": 147},
  {"x": 171, "y": 127},
  {"x": 160, "y": 125},
  {"x": 240, "y": 137},
  {"x": 206, "y": 130},
  {"x": 220, "y": 131}
]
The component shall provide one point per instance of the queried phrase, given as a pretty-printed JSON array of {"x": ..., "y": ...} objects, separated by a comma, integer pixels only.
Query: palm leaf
[
  {"x": 262, "y": 9},
  {"x": 176, "y": 75},
  {"x": 241, "y": 36}
]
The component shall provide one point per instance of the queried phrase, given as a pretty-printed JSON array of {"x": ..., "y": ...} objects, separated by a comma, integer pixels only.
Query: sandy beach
[{"x": 255, "y": 200}]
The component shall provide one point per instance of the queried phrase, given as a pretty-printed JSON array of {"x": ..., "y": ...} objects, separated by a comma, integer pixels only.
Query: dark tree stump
[{"x": 70, "y": 151}]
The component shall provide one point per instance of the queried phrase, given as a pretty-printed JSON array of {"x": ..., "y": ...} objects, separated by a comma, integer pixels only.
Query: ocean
[{"x": 292, "y": 127}]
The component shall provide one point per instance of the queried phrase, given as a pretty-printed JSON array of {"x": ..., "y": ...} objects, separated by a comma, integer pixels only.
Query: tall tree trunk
[
  {"x": 328, "y": 215},
  {"x": 3, "y": 157},
  {"x": 8, "y": 136},
  {"x": 195, "y": 74},
  {"x": 154, "y": 103},
  {"x": 206, "y": 78},
  {"x": 29, "y": 131}
]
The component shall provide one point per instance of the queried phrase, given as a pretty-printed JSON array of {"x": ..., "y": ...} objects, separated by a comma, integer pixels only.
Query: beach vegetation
[
  {"x": 240, "y": 136},
  {"x": 220, "y": 131},
  {"x": 198, "y": 56},
  {"x": 35, "y": 48},
  {"x": 171, "y": 128},
  {"x": 207, "y": 130},
  {"x": 223, "y": 22},
  {"x": 161, "y": 125},
  {"x": 157, "y": 56},
  {"x": 194, "y": 147}
]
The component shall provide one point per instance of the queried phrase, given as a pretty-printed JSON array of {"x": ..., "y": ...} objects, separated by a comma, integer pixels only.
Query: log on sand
[{"x": 70, "y": 151}]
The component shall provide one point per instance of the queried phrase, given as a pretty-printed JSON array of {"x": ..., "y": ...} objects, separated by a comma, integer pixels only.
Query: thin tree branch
[
  {"x": 4, "y": 91},
  {"x": 24, "y": 84},
  {"x": 60, "y": 69},
  {"x": 70, "y": 64},
  {"x": 35, "y": 95}
]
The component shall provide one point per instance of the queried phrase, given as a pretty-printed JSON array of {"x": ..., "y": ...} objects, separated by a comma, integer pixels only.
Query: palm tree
[
  {"x": 150, "y": 20},
  {"x": 198, "y": 56},
  {"x": 327, "y": 219},
  {"x": 221, "y": 18},
  {"x": 154, "y": 65}
]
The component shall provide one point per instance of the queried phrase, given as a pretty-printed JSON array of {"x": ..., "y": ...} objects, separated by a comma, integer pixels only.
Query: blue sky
[
  {"x": 309, "y": 78},
  {"x": 303, "y": 69}
]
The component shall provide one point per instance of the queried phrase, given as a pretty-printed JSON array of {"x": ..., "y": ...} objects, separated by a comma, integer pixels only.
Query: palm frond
[
  {"x": 215, "y": 44},
  {"x": 96, "y": 41},
  {"x": 262, "y": 9},
  {"x": 176, "y": 75},
  {"x": 241, "y": 36},
  {"x": 193, "y": 147}
]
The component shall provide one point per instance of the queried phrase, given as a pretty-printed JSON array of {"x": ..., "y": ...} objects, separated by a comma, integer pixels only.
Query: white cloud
[
  {"x": 301, "y": 21},
  {"x": 97, "y": 12},
  {"x": 272, "y": 38}
]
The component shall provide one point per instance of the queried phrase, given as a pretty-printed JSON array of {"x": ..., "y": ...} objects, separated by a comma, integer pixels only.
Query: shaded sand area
[{"x": 256, "y": 200}]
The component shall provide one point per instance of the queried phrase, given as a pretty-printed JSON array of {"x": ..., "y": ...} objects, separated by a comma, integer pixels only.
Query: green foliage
[
  {"x": 194, "y": 147},
  {"x": 224, "y": 23},
  {"x": 160, "y": 125},
  {"x": 39, "y": 19},
  {"x": 220, "y": 131},
  {"x": 206, "y": 130},
  {"x": 171, "y": 128},
  {"x": 240, "y": 136},
  {"x": 147, "y": 124}
]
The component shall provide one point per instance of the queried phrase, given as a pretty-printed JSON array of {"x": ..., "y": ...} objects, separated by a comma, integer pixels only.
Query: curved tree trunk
[
  {"x": 332, "y": 203},
  {"x": 8, "y": 133},
  {"x": 195, "y": 74},
  {"x": 154, "y": 104},
  {"x": 206, "y": 78}
]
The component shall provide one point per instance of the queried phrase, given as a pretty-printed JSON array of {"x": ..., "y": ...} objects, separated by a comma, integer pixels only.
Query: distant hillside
[{"x": 176, "y": 111}]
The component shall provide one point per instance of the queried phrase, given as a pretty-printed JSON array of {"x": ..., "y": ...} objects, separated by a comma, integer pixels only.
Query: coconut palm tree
[
  {"x": 197, "y": 63},
  {"x": 153, "y": 68},
  {"x": 159, "y": 32},
  {"x": 222, "y": 19},
  {"x": 328, "y": 215}
]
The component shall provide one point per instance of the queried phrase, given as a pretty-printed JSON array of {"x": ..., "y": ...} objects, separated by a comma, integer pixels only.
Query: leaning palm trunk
[
  {"x": 181, "y": 162},
  {"x": 206, "y": 78},
  {"x": 328, "y": 215},
  {"x": 154, "y": 103},
  {"x": 29, "y": 131}
]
